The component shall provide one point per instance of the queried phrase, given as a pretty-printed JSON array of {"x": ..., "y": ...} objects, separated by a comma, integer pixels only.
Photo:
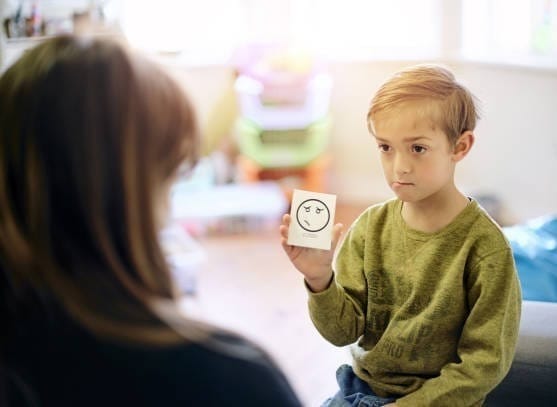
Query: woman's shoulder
[
  {"x": 226, "y": 347},
  {"x": 63, "y": 361},
  {"x": 223, "y": 367}
]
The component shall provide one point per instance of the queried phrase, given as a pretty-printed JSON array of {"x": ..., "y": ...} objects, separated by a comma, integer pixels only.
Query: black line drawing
[{"x": 313, "y": 215}]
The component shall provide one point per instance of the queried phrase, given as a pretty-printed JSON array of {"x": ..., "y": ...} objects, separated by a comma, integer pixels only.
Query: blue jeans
[{"x": 354, "y": 392}]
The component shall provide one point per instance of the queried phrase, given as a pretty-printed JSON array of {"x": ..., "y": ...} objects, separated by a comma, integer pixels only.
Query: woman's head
[
  {"x": 444, "y": 102},
  {"x": 92, "y": 136}
]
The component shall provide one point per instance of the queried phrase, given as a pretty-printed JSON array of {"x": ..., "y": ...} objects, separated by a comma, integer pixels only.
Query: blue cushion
[{"x": 535, "y": 252}]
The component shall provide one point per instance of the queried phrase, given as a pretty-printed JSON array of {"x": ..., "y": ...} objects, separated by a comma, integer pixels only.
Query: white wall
[{"x": 514, "y": 158}]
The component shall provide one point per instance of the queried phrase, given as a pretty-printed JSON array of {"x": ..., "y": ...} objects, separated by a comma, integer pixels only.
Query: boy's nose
[{"x": 402, "y": 165}]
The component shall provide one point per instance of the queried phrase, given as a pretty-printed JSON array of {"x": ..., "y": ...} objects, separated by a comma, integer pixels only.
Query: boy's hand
[{"x": 314, "y": 264}]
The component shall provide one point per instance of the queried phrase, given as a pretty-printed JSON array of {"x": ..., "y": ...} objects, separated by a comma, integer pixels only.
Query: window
[
  {"x": 522, "y": 32},
  {"x": 369, "y": 29},
  {"x": 519, "y": 32},
  {"x": 337, "y": 28}
]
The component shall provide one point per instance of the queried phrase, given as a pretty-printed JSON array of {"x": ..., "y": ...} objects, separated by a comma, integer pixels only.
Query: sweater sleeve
[
  {"x": 488, "y": 339},
  {"x": 338, "y": 313}
]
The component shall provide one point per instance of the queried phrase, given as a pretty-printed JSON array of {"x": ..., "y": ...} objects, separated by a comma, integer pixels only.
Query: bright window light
[
  {"x": 364, "y": 28},
  {"x": 510, "y": 31},
  {"x": 184, "y": 26},
  {"x": 338, "y": 28}
]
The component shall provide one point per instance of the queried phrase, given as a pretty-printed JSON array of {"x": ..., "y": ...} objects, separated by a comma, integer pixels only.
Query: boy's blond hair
[{"x": 448, "y": 104}]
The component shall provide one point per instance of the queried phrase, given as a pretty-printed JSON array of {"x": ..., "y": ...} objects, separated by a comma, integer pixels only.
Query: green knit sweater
[{"x": 435, "y": 315}]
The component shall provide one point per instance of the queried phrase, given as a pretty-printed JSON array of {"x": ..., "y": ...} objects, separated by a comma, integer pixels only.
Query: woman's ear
[{"x": 463, "y": 145}]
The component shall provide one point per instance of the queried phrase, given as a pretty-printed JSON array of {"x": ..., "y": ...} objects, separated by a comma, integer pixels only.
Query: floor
[{"x": 247, "y": 284}]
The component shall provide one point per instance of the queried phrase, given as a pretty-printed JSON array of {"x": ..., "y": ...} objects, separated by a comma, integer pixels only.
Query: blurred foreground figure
[{"x": 92, "y": 137}]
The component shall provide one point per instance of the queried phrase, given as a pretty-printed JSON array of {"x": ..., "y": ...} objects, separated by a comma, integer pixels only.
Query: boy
[{"x": 425, "y": 283}]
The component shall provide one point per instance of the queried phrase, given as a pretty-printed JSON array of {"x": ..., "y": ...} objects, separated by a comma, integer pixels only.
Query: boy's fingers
[
  {"x": 284, "y": 226},
  {"x": 286, "y": 219},
  {"x": 285, "y": 246},
  {"x": 284, "y": 231}
]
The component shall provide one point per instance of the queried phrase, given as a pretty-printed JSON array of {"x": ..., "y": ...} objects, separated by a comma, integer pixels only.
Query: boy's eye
[
  {"x": 318, "y": 210},
  {"x": 307, "y": 208},
  {"x": 384, "y": 148},
  {"x": 419, "y": 149}
]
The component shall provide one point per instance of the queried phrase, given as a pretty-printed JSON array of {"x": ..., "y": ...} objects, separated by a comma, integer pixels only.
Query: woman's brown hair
[{"x": 91, "y": 136}]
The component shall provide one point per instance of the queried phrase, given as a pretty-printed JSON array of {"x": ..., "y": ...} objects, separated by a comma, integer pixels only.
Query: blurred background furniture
[
  {"x": 283, "y": 128},
  {"x": 532, "y": 380},
  {"x": 534, "y": 244}
]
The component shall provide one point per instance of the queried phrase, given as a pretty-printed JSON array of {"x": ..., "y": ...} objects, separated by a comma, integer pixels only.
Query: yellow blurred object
[
  {"x": 217, "y": 130},
  {"x": 291, "y": 60}
]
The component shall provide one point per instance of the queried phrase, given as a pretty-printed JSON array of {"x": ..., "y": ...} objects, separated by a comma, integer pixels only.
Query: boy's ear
[{"x": 463, "y": 145}]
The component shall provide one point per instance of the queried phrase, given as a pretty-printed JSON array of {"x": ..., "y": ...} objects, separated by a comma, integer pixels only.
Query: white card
[{"x": 312, "y": 216}]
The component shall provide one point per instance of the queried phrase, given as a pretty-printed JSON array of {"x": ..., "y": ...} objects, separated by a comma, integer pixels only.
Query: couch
[{"x": 532, "y": 379}]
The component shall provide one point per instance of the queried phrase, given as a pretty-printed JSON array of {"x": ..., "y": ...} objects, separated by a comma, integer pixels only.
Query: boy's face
[{"x": 417, "y": 158}]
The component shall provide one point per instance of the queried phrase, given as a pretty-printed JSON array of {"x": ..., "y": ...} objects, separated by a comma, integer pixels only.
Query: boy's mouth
[{"x": 397, "y": 184}]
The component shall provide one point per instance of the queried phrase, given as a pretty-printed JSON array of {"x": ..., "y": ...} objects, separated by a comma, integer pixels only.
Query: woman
[{"x": 92, "y": 137}]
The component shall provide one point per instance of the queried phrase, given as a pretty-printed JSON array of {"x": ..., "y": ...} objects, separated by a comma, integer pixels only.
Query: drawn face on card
[{"x": 313, "y": 215}]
